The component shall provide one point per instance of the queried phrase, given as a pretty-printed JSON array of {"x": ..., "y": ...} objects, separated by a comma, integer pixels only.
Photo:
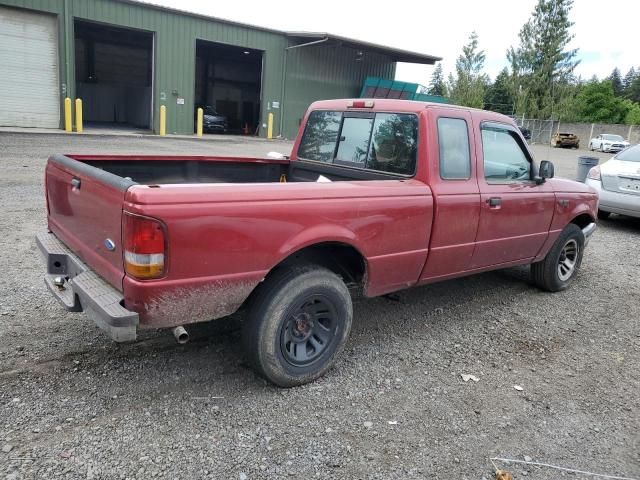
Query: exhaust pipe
[{"x": 182, "y": 336}]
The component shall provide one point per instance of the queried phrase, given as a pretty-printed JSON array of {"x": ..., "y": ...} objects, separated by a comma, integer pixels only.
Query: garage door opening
[
  {"x": 114, "y": 75},
  {"x": 228, "y": 87}
]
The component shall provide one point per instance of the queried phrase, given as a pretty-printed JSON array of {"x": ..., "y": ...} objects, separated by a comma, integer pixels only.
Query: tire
[
  {"x": 297, "y": 324},
  {"x": 602, "y": 215},
  {"x": 552, "y": 276}
]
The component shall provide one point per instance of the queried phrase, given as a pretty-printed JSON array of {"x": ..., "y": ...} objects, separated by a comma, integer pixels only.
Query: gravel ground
[{"x": 75, "y": 405}]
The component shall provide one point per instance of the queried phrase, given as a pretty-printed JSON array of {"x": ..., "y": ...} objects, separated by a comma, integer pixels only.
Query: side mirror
[{"x": 545, "y": 171}]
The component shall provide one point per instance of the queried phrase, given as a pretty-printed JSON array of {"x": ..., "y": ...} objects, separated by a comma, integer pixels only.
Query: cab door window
[{"x": 505, "y": 161}]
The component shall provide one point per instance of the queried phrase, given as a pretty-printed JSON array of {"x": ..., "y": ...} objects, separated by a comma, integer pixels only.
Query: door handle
[
  {"x": 75, "y": 182},
  {"x": 494, "y": 201}
]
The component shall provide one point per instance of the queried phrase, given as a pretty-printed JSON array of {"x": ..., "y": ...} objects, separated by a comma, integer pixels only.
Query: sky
[{"x": 605, "y": 33}]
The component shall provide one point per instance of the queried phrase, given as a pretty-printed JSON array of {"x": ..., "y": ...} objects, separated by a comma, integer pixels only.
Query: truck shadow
[
  {"x": 621, "y": 223},
  {"x": 214, "y": 354}
]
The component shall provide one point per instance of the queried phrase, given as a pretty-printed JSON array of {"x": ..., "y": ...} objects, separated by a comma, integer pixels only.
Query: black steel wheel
[
  {"x": 297, "y": 323},
  {"x": 308, "y": 331}
]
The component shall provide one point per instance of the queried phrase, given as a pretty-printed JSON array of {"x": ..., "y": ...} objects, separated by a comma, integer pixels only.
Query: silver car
[{"x": 618, "y": 183}]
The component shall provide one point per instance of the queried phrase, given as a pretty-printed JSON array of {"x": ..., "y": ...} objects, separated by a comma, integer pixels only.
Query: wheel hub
[
  {"x": 309, "y": 331},
  {"x": 567, "y": 260},
  {"x": 301, "y": 327}
]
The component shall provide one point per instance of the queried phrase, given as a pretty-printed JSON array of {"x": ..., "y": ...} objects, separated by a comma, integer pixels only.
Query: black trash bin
[{"x": 584, "y": 165}]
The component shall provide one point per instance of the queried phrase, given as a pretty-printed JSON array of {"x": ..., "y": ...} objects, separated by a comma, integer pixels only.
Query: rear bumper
[
  {"x": 616, "y": 202},
  {"x": 79, "y": 289}
]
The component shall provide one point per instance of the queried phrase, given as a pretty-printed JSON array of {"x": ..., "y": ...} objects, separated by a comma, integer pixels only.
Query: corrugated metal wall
[
  {"x": 317, "y": 72},
  {"x": 175, "y": 44},
  {"x": 325, "y": 71}
]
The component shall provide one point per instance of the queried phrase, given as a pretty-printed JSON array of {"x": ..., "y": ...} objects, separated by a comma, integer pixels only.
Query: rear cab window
[{"x": 379, "y": 141}]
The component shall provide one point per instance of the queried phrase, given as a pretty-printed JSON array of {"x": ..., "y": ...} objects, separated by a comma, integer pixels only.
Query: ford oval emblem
[{"x": 109, "y": 244}]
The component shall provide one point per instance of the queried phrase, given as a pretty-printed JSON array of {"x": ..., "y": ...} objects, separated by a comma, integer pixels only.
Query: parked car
[
  {"x": 212, "y": 121},
  {"x": 526, "y": 133},
  {"x": 564, "y": 140},
  {"x": 618, "y": 183},
  {"x": 368, "y": 207},
  {"x": 608, "y": 143}
]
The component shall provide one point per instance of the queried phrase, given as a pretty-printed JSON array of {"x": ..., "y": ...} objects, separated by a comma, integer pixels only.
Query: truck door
[
  {"x": 515, "y": 211},
  {"x": 453, "y": 181}
]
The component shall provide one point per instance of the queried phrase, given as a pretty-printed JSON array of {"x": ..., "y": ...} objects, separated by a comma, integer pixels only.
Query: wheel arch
[
  {"x": 583, "y": 219},
  {"x": 339, "y": 257}
]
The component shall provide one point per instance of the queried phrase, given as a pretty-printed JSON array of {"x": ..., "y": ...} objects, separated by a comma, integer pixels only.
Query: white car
[
  {"x": 608, "y": 143},
  {"x": 618, "y": 183}
]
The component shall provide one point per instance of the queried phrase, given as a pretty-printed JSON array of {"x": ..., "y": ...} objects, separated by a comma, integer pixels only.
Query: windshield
[
  {"x": 631, "y": 154},
  {"x": 210, "y": 111},
  {"x": 614, "y": 138}
]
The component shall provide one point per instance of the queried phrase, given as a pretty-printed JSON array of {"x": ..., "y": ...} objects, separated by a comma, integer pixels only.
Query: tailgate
[{"x": 85, "y": 212}]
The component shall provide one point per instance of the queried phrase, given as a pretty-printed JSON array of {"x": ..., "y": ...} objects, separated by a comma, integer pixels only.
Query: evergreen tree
[
  {"x": 631, "y": 85},
  {"x": 628, "y": 79},
  {"x": 616, "y": 82},
  {"x": 469, "y": 85},
  {"x": 542, "y": 58},
  {"x": 437, "y": 86},
  {"x": 498, "y": 96}
]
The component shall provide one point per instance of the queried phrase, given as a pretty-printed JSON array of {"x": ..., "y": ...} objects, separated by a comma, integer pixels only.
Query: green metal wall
[
  {"x": 175, "y": 49},
  {"x": 312, "y": 73},
  {"x": 325, "y": 71}
]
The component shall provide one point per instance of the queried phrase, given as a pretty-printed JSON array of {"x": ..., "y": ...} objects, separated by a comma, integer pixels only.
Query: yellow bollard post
[
  {"x": 270, "y": 126},
  {"x": 68, "y": 126},
  {"x": 199, "y": 122},
  {"x": 78, "y": 115},
  {"x": 163, "y": 120}
]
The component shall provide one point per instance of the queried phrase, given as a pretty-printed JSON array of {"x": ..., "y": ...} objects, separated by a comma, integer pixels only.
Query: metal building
[{"x": 125, "y": 59}]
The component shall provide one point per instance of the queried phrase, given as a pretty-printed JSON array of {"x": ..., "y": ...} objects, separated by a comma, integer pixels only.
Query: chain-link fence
[{"x": 543, "y": 130}]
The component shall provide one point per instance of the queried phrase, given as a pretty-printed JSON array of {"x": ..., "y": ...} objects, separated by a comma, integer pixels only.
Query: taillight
[
  {"x": 144, "y": 246},
  {"x": 594, "y": 173}
]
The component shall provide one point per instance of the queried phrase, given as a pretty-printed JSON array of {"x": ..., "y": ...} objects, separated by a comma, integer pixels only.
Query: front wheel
[
  {"x": 557, "y": 270},
  {"x": 297, "y": 324}
]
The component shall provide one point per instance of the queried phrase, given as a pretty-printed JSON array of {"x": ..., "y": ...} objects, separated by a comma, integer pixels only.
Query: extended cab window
[
  {"x": 384, "y": 142},
  {"x": 453, "y": 141},
  {"x": 320, "y": 135},
  {"x": 504, "y": 159}
]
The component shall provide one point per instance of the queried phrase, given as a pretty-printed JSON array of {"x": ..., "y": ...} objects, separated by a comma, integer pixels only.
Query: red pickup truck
[{"x": 378, "y": 196}]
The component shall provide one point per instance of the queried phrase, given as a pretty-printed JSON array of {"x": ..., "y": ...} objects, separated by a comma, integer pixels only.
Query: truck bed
[
  {"x": 167, "y": 170},
  {"x": 228, "y": 222}
]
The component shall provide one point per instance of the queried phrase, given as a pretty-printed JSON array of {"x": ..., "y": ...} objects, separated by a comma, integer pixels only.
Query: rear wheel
[
  {"x": 602, "y": 215},
  {"x": 562, "y": 263},
  {"x": 297, "y": 324}
]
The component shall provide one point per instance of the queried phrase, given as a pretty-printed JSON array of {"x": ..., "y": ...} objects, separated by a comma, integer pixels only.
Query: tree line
[{"x": 540, "y": 81}]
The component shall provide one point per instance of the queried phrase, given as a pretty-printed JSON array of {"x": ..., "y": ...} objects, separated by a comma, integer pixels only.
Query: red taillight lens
[
  {"x": 144, "y": 246},
  {"x": 594, "y": 173},
  {"x": 361, "y": 104}
]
